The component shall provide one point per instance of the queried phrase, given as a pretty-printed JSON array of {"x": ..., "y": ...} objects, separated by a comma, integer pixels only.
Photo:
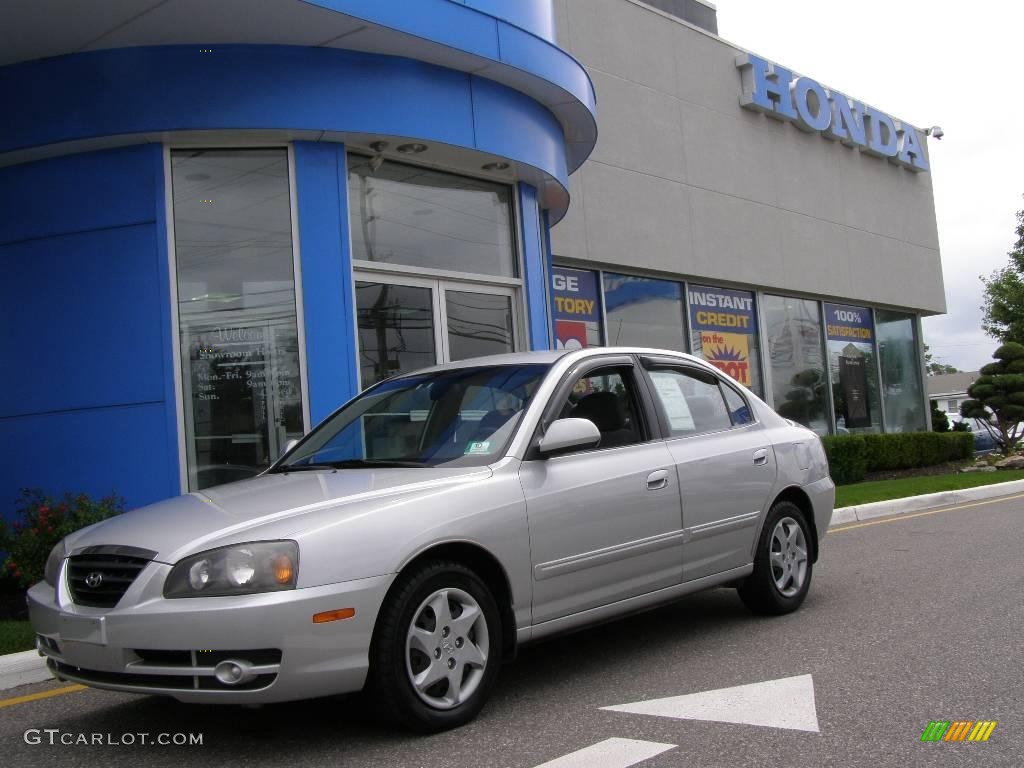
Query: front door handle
[
  {"x": 761, "y": 457},
  {"x": 657, "y": 480}
]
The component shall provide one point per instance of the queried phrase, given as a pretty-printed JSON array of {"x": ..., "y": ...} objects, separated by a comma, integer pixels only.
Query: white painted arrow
[
  {"x": 610, "y": 753},
  {"x": 786, "y": 703}
]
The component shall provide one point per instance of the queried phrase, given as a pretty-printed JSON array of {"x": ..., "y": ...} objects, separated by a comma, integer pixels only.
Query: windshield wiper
[
  {"x": 375, "y": 464},
  {"x": 303, "y": 467},
  {"x": 352, "y": 464}
]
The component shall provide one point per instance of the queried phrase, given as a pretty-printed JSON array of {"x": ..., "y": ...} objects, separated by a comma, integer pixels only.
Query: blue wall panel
[
  {"x": 79, "y": 313},
  {"x": 78, "y": 193},
  {"x": 96, "y": 451},
  {"x": 88, "y": 404},
  {"x": 326, "y": 276},
  {"x": 137, "y": 91},
  {"x": 536, "y": 269}
]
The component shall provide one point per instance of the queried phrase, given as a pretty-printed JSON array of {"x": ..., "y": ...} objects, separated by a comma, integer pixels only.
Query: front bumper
[{"x": 148, "y": 644}]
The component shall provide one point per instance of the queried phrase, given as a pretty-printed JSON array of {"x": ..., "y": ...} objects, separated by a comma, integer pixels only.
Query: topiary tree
[
  {"x": 940, "y": 422},
  {"x": 997, "y": 396}
]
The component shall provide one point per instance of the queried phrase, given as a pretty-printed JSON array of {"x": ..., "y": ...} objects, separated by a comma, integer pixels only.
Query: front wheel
[
  {"x": 782, "y": 564},
  {"x": 437, "y": 648}
]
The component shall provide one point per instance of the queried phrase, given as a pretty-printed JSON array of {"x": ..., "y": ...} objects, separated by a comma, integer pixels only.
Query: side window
[
  {"x": 739, "y": 411},
  {"x": 691, "y": 400},
  {"x": 607, "y": 397}
]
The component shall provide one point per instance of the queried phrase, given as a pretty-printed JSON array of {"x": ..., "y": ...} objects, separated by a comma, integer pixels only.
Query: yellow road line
[
  {"x": 42, "y": 695},
  {"x": 898, "y": 517}
]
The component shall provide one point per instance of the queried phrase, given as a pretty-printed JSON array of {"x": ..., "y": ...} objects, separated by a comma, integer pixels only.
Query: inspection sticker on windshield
[{"x": 482, "y": 446}]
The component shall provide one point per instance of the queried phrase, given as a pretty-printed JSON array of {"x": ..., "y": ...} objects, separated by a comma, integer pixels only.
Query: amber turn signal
[
  {"x": 338, "y": 615},
  {"x": 283, "y": 569}
]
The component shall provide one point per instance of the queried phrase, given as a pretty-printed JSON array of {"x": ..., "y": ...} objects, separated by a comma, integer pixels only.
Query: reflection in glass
[
  {"x": 795, "y": 351},
  {"x": 478, "y": 324},
  {"x": 853, "y": 368},
  {"x": 644, "y": 311},
  {"x": 901, "y": 372},
  {"x": 723, "y": 330},
  {"x": 416, "y": 217},
  {"x": 396, "y": 330},
  {"x": 236, "y": 310}
]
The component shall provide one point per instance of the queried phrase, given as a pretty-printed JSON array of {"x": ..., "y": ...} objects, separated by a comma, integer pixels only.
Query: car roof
[{"x": 550, "y": 356}]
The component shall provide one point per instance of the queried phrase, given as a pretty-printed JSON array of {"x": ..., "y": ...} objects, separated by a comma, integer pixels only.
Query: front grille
[{"x": 100, "y": 580}]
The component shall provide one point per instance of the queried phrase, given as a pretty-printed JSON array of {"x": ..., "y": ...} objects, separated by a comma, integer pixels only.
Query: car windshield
[{"x": 456, "y": 417}]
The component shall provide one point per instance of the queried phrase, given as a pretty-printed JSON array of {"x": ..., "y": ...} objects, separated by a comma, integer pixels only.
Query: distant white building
[{"x": 949, "y": 390}]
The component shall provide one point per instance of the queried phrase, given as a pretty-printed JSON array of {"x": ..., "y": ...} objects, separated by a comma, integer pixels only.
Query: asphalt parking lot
[{"x": 909, "y": 620}]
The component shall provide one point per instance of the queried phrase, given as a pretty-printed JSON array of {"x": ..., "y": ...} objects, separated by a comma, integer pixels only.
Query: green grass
[
  {"x": 882, "y": 490},
  {"x": 16, "y": 636}
]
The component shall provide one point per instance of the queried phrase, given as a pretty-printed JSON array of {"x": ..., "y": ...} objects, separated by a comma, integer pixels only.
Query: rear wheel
[
  {"x": 782, "y": 564},
  {"x": 437, "y": 647}
]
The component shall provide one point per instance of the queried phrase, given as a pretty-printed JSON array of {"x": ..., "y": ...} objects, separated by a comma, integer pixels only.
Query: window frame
[
  {"x": 650, "y": 425},
  {"x": 180, "y": 403},
  {"x": 649, "y": 363}
]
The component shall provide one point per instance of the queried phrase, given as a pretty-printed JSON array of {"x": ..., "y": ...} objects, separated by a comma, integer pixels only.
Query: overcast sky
[{"x": 953, "y": 64}]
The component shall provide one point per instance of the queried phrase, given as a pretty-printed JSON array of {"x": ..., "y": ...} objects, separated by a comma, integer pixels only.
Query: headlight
[
  {"x": 53, "y": 564},
  {"x": 241, "y": 569}
]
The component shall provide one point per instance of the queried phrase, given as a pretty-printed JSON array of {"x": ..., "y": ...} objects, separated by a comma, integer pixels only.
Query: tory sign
[{"x": 777, "y": 92}]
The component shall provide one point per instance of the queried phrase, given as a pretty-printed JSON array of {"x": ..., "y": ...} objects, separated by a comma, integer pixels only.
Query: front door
[
  {"x": 605, "y": 524},
  {"x": 407, "y": 323}
]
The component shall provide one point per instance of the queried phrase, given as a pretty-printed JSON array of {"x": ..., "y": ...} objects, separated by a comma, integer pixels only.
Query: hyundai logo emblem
[{"x": 94, "y": 579}]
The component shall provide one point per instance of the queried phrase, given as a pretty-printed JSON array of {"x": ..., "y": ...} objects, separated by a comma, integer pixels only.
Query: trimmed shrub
[
  {"x": 850, "y": 456},
  {"x": 847, "y": 458}
]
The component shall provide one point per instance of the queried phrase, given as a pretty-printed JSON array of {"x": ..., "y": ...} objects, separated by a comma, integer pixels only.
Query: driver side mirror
[{"x": 568, "y": 434}]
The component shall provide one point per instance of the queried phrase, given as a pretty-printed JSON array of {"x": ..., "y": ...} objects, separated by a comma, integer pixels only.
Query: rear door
[
  {"x": 724, "y": 462},
  {"x": 605, "y": 523}
]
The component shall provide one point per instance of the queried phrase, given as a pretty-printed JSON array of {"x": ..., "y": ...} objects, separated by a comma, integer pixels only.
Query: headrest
[{"x": 602, "y": 408}]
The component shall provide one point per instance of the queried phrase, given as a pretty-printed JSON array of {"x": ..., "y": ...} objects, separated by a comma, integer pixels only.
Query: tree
[
  {"x": 940, "y": 422},
  {"x": 1003, "y": 307},
  {"x": 934, "y": 367},
  {"x": 997, "y": 396}
]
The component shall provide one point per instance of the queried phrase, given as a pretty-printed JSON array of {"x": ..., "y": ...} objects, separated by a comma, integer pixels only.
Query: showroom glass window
[
  {"x": 644, "y": 311},
  {"x": 797, "y": 361},
  {"x": 853, "y": 368},
  {"x": 576, "y": 308},
  {"x": 236, "y": 310},
  {"x": 436, "y": 267},
  {"x": 902, "y": 394},
  {"x": 723, "y": 330}
]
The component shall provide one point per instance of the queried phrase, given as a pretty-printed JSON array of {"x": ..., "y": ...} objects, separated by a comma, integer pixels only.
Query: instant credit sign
[
  {"x": 727, "y": 325},
  {"x": 576, "y": 304},
  {"x": 844, "y": 323}
]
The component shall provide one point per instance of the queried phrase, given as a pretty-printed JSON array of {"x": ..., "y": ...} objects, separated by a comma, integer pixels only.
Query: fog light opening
[{"x": 233, "y": 672}]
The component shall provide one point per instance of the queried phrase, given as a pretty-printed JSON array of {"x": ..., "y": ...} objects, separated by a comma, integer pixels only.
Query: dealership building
[{"x": 219, "y": 221}]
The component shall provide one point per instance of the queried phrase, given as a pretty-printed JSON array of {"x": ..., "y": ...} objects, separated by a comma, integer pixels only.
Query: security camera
[
  {"x": 935, "y": 132},
  {"x": 376, "y": 162}
]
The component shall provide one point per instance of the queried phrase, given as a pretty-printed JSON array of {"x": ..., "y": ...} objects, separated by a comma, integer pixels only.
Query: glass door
[{"x": 405, "y": 323}]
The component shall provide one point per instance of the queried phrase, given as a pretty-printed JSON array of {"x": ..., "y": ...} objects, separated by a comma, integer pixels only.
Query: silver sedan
[{"x": 419, "y": 535}]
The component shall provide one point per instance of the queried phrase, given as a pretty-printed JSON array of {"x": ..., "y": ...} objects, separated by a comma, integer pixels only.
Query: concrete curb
[
  {"x": 909, "y": 504},
  {"x": 29, "y": 667},
  {"x": 21, "y": 669}
]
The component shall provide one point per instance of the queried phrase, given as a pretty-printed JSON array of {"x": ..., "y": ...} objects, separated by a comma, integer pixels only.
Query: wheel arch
[
  {"x": 485, "y": 565},
  {"x": 798, "y": 496}
]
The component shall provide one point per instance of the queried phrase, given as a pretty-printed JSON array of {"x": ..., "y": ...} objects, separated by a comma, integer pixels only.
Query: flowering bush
[{"x": 40, "y": 522}]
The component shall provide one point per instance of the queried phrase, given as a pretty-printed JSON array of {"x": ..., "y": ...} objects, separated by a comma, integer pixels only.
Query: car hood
[{"x": 274, "y": 503}]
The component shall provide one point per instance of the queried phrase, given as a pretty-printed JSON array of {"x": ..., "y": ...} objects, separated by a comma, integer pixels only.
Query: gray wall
[{"x": 684, "y": 181}]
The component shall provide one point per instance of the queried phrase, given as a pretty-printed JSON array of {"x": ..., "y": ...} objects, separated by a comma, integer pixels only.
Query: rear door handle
[
  {"x": 657, "y": 480},
  {"x": 761, "y": 457}
]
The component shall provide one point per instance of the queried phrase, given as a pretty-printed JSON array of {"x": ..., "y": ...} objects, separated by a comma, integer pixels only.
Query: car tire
[
  {"x": 782, "y": 563},
  {"x": 436, "y": 648}
]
